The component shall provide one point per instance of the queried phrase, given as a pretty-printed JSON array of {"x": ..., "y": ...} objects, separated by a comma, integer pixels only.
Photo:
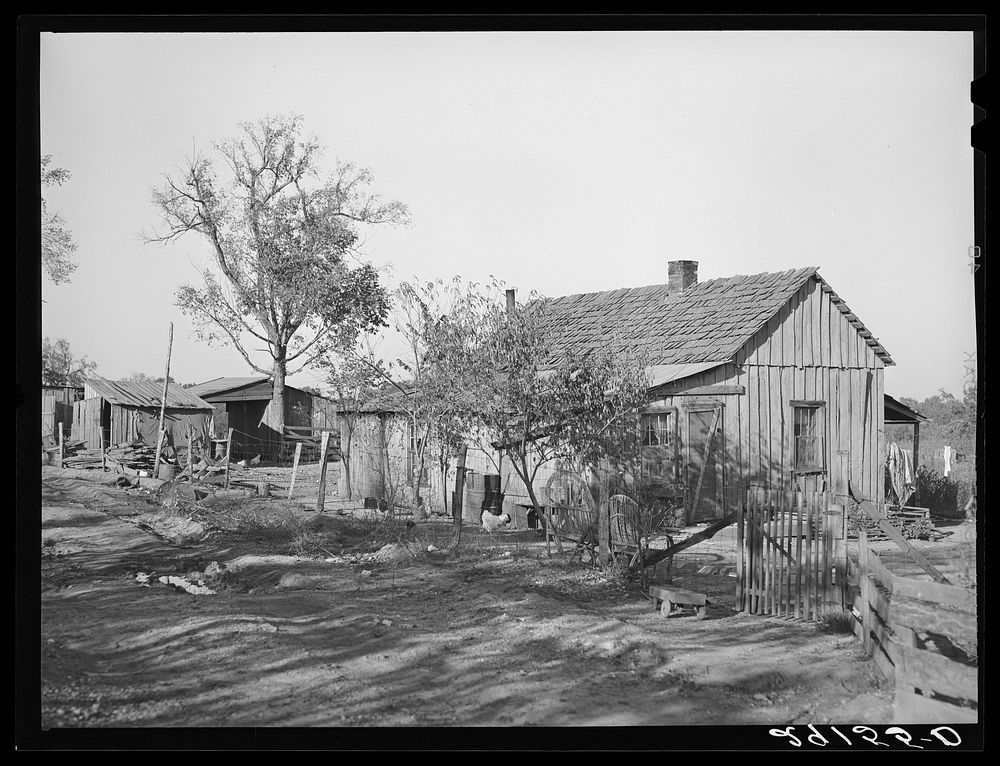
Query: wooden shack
[
  {"x": 244, "y": 404},
  {"x": 128, "y": 412},
  {"x": 57, "y": 407},
  {"x": 382, "y": 457},
  {"x": 764, "y": 380}
]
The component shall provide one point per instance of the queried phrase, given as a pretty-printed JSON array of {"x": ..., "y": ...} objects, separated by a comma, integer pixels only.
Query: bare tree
[
  {"x": 285, "y": 269},
  {"x": 60, "y": 367},
  {"x": 57, "y": 241}
]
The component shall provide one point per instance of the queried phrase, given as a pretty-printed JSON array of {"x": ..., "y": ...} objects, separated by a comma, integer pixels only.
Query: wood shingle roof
[{"x": 708, "y": 322}]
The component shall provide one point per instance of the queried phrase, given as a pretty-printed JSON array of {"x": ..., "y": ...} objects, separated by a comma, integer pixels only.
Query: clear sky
[{"x": 561, "y": 162}]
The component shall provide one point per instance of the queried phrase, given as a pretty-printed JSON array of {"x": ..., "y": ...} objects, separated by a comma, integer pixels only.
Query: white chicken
[{"x": 492, "y": 523}]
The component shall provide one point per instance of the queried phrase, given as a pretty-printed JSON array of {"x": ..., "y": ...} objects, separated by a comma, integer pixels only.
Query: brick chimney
[
  {"x": 511, "y": 305},
  {"x": 681, "y": 275}
]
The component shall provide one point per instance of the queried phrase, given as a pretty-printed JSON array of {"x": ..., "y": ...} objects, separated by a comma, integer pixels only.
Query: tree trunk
[
  {"x": 276, "y": 416},
  {"x": 444, "y": 486},
  {"x": 345, "y": 460},
  {"x": 522, "y": 472},
  {"x": 456, "y": 507}
]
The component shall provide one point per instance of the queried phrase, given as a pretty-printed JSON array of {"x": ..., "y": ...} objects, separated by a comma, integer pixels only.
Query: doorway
[{"x": 705, "y": 463}]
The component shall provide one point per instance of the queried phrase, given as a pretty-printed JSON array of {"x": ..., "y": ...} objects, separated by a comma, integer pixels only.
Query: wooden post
[
  {"x": 61, "y": 454},
  {"x": 295, "y": 468},
  {"x": 324, "y": 443},
  {"x": 866, "y": 590},
  {"x": 104, "y": 461},
  {"x": 800, "y": 522},
  {"x": 163, "y": 402},
  {"x": 740, "y": 554},
  {"x": 190, "y": 465},
  {"x": 916, "y": 462},
  {"x": 458, "y": 501},
  {"x": 229, "y": 446},
  {"x": 604, "y": 518}
]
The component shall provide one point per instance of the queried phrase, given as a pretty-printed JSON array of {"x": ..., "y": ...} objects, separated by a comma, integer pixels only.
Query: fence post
[
  {"x": 604, "y": 518},
  {"x": 740, "y": 523},
  {"x": 321, "y": 496},
  {"x": 295, "y": 468},
  {"x": 190, "y": 465},
  {"x": 104, "y": 462},
  {"x": 866, "y": 590},
  {"x": 229, "y": 446},
  {"x": 60, "y": 463}
]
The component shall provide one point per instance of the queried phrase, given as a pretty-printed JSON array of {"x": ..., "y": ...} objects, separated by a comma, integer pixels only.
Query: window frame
[
  {"x": 818, "y": 407},
  {"x": 673, "y": 445}
]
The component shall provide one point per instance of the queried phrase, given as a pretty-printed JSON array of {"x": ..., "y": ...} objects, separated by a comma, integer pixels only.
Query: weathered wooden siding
[
  {"x": 87, "y": 422},
  {"x": 810, "y": 331},
  {"x": 57, "y": 407},
  {"x": 811, "y": 351},
  {"x": 379, "y": 458},
  {"x": 324, "y": 414},
  {"x": 744, "y": 432}
]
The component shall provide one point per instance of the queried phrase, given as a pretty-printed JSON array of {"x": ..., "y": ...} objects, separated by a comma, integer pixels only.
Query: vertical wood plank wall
[{"x": 811, "y": 351}]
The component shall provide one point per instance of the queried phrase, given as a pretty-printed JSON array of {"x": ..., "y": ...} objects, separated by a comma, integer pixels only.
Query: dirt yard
[{"x": 293, "y": 618}]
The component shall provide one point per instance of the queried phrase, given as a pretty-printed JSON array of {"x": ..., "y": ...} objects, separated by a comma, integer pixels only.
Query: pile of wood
[
  {"x": 912, "y": 524},
  {"x": 136, "y": 459}
]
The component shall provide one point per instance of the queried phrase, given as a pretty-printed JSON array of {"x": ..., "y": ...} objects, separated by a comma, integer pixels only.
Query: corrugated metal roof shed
[{"x": 143, "y": 394}]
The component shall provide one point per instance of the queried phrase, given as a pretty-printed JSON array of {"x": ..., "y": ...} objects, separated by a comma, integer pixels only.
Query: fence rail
[{"x": 922, "y": 634}]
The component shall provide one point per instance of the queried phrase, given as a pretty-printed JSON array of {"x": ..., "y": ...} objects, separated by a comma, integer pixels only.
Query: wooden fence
[
  {"x": 924, "y": 635},
  {"x": 791, "y": 560}
]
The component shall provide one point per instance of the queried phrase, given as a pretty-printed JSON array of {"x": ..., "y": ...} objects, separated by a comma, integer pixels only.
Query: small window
[
  {"x": 658, "y": 447},
  {"x": 658, "y": 429},
  {"x": 809, "y": 449}
]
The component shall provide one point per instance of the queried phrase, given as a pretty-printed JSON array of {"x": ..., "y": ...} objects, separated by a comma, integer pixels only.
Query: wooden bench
[{"x": 668, "y": 598}]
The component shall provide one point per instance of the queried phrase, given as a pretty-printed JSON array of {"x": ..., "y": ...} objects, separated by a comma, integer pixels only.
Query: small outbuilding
[
  {"x": 128, "y": 412},
  {"x": 244, "y": 404},
  {"x": 57, "y": 407}
]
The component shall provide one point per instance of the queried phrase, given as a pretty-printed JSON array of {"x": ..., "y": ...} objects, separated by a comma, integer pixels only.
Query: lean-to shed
[
  {"x": 129, "y": 412},
  {"x": 767, "y": 379}
]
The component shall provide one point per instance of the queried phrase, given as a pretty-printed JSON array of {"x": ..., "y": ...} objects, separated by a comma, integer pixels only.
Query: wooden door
[{"x": 705, "y": 464}]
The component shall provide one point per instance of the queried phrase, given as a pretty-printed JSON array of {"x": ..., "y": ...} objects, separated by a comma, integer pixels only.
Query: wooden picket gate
[{"x": 791, "y": 558}]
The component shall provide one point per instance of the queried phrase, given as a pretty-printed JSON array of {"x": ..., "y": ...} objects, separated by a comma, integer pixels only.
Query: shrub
[
  {"x": 836, "y": 622},
  {"x": 944, "y": 496}
]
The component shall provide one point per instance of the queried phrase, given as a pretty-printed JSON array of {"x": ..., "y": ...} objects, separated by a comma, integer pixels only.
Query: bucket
[
  {"x": 472, "y": 505},
  {"x": 167, "y": 471},
  {"x": 493, "y": 502}
]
